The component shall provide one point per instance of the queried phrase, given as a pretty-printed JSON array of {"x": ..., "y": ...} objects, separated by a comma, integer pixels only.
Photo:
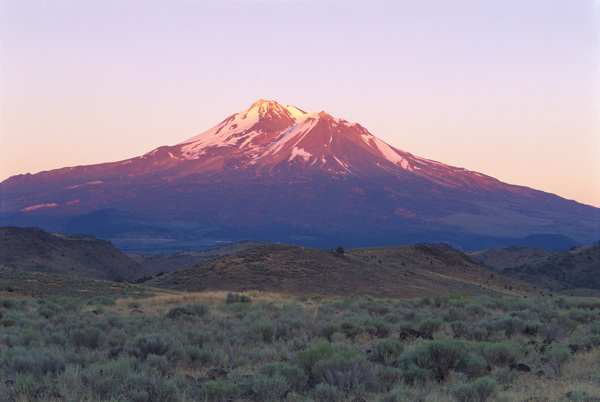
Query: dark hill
[
  {"x": 32, "y": 249},
  {"x": 403, "y": 272},
  {"x": 578, "y": 268},
  {"x": 500, "y": 259},
  {"x": 156, "y": 263}
]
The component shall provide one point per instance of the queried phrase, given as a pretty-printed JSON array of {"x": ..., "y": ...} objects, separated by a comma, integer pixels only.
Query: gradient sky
[{"x": 507, "y": 88}]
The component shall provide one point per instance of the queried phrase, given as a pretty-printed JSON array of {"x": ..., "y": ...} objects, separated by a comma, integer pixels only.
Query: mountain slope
[
  {"x": 277, "y": 173},
  {"x": 156, "y": 263},
  {"x": 402, "y": 272},
  {"x": 500, "y": 259},
  {"x": 32, "y": 249},
  {"x": 578, "y": 268}
]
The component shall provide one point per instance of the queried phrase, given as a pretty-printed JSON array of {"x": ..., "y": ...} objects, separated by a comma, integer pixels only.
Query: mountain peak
[
  {"x": 268, "y": 109},
  {"x": 246, "y": 174}
]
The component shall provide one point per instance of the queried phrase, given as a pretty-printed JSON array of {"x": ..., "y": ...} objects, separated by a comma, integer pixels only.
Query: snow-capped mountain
[{"x": 276, "y": 172}]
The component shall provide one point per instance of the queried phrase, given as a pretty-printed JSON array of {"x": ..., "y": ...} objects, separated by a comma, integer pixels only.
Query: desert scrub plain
[{"x": 220, "y": 346}]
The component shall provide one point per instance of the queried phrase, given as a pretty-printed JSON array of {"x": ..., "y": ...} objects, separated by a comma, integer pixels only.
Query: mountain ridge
[
  {"x": 398, "y": 272},
  {"x": 276, "y": 173},
  {"x": 32, "y": 249}
]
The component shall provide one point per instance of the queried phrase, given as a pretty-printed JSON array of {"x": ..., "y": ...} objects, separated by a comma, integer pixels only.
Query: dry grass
[
  {"x": 580, "y": 374},
  {"x": 161, "y": 303}
]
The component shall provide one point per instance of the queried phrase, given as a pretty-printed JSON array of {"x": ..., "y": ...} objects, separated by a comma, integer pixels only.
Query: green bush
[
  {"x": 23, "y": 361},
  {"x": 150, "y": 388},
  {"x": 106, "y": 388},
  {"x": 28, "y": 336},
  {"x": 326, "y": 393},
  {"x": 345, "y": 369},
  {"x": 144, "y": 345},
  {"x": 498, "y": 354},
  {"x": 199, "y": 356},
  {"x": 479, "y": 390},
  {"x": 327, "y": 330},
  {"x": 89, "y": 337},
  {"x": 48, "y": 309},
  {"x": 308, "y": 358},
  {"x": 350, "y": 329},
  {"x": 159, "y": 363},
  {"x": 430, "y": 325},
  {"x": 102, "y": 301},
  {"x": 233, "y": 298},
  {"x": 220, "y": 391},
  {"x": 402, "y": 394},
  {"x": 382, "y": 328},
  {"x": 387, "y": 351},
  {"x": 438, "y": 357},
  {"x": 189, "y": 310},
  {"x": 557, "y": 357},
  {"x": 413, "y": 374},
  {"x": 296, "y": 377},
  {"x": 268, "y": 388},
  {"x": 389, "y": 377},
  {"x": 265, "y": 331}
]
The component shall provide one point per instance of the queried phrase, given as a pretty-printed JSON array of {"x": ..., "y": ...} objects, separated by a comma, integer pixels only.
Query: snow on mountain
[
  {"x": 270, "y": 133},
  {"x": 277, "y": 169}
]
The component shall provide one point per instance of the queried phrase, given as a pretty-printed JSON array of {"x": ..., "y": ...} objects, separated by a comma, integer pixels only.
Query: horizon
[{"x": 509, "y": 90}]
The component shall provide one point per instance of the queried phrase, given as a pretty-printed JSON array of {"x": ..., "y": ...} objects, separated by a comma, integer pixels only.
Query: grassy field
[{"x": 222, "y": 346}]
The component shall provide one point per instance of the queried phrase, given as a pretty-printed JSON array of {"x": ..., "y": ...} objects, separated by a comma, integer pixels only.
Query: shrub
[
  {"x": 7, "y": 303},
  {"x": 145, "y": 345},
  {"x": 413, "y": 374},
  {"x": 329, "y": 329},
  {"x": 189, "y": 310},
  {"x": 438, "y": 357},
  {"x": 461, "y": 329},
  {"x": 217, "y": 391},
  {"x": 102, "y": 301},
  {"x": 326, "y": 393},
  {"x": 106, "y": 388},
  {"x": 295, "y": 376},
  {"x": 199, "y": 355},
  {"x": 350, "y": 329},
  {"x": 268, "y": 388},
  {"x": 159, "y": 363},
  {"x": 430, "y": 325},
  {"x": 382, "y": 329},
  {"x": 48, "y": 309},
  {"x": 25, "y": 386},
  {"x": 28, "y": 336},
  {"x": 557, "y": 357},
  {"x": 344, "y": 369},
  {"x": 264, "y": 330},
  {"x": 498, "y": 354},
  {"x": 387, "y": 351},
  {"x": 389, "y": 376},
  {"x": 532, "y": 328},
  {"x": 134, "y": 304},
  {"x": 143, "y": 279},
  {"x": 150, "y": 388},
  {"x": 552, "y": 332},
  {"x": 479, "y": 390},
  {"x": 37, "y": 364},
  {"x": 233, "y": 298},
  {"x": 90, "y": 337},
  {"x": 308, "y": 358},
  {"x": 58, "y": 338}
]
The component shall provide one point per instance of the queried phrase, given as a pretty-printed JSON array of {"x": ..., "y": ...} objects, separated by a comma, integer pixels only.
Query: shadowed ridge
[{"x": 397, "y": 272}]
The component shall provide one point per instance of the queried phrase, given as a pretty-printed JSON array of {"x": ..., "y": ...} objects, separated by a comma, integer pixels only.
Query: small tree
[{"x": 340, "y": 250}]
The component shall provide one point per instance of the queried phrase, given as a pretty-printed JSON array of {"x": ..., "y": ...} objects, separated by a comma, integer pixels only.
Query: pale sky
[{"x": 506, "y": 88}]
